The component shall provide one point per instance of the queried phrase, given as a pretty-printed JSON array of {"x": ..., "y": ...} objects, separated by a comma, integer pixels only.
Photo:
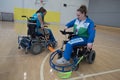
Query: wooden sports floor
[{"x": 16, "y": 65}]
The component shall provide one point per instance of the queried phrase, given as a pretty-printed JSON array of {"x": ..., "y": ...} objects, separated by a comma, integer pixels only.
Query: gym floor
[{"x": 16, "y": 65}]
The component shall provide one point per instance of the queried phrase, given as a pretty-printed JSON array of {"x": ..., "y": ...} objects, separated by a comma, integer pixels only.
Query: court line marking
[
  {"x": 81, "y": 77},
  {"x": 78, "y": 73},
  {"x": 75, "y": 78},
  {"x": 94, "y": 74},
  {"x": 25, "y": 75},
  {"x": 42, "y": 68}
]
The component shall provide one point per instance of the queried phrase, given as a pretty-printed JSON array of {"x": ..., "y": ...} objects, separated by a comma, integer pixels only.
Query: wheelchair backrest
[{"x": 31, "y": 24}]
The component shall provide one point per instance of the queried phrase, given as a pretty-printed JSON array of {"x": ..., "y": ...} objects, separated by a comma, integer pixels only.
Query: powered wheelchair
[
  {"x": 34, "y": 42},
  {"x": 79, "y": 53}
]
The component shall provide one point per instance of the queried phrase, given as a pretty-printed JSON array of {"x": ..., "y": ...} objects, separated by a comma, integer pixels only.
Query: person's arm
[
  {"x": 70, "y": 24},
  {"x": 40, "y": 19},
  {"x": 91, "y": 32}
]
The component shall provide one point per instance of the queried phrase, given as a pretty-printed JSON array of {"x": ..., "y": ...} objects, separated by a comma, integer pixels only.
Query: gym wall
[
  {"x": 105, "y": 12},
  {"x": 57, "y": 12}
]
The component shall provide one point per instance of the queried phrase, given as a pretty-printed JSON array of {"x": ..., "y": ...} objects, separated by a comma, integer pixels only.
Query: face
[{"x": 80, "y": 15}]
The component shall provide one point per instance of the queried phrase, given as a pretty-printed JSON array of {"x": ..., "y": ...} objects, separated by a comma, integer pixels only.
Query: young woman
[
  {"x": 39, "y": 17},
  {"x": 84, "y": 31}
]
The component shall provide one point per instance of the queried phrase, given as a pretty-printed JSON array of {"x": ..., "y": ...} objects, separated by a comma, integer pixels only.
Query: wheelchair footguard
[
  {"x": 35, "y": 46},
  {"x": 66, "y": 68},
  {"x": 29, "y": 44},
  {"x": 74, "y": 66},
  {"x": 24, "y": 42}
]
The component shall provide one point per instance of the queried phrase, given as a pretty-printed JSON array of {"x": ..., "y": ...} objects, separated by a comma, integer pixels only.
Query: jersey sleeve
[
  {"x": 71, "y": 23},
  {"x": 91, "y": 32}
]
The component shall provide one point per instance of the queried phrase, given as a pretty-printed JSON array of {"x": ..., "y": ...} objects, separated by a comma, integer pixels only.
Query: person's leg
[
  {"x": 68, "y": 51},
  {"x": 51, "y": 35},
  {"x": 52, "y": 39},
  {"x": 39, "y": 32},
  {"x": 69, "y": 47}
]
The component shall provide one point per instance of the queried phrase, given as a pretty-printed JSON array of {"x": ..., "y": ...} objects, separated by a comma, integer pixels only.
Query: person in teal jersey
[
  {"x": 84, "y": 29},
  {"x": 39, "y": 17}
]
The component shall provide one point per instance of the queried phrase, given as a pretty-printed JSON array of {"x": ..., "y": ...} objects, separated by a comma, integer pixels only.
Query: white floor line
[
  {"x": 78, "y": 73},
  {"x": 42, "y": 68},
  {"x": 25, "y": 75},
  {"x": 94, "y": 74}
]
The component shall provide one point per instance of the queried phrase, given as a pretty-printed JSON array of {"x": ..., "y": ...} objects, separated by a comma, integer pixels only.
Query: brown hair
[
  {"x": 42, "y": 10},
  {"x": 83, "y": 9}
]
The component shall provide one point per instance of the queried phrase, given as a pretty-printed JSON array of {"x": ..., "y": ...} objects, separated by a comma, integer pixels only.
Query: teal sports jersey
[{"x": 35, "y": 17}]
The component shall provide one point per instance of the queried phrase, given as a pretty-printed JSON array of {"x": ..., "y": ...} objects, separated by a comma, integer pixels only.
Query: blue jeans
[
  {"x": 51, "y": 36},
  {"x": 75, "y": 41}
]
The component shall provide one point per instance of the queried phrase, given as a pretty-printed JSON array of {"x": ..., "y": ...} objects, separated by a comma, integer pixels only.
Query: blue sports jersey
[{"x": 87, "y": 29}]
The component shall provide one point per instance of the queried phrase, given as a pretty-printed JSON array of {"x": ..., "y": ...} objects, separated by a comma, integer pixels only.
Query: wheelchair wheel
[
  {"x": 91, "y": 57},
  {"x": 36, "y": 48}
]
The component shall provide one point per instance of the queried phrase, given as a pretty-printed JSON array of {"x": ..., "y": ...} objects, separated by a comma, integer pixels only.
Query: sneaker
[{"x": 62, "y": 61}]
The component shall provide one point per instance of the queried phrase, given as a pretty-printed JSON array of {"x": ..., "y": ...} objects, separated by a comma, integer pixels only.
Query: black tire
[
  {"x": 36, "y": 48},
  {"x": 91, "y": 57}
]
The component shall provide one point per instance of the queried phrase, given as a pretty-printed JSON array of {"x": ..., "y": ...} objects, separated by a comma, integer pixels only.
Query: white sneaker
[{"x": 62, "y": 61}]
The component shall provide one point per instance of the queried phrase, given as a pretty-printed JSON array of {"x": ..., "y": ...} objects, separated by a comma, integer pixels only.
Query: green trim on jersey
[{"x": 81, "y": 32}]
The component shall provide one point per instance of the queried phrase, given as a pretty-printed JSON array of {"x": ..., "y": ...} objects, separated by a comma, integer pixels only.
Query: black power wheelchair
[
  {"x": 34, "y": 42},
  {"x": 78, "y": 54}
]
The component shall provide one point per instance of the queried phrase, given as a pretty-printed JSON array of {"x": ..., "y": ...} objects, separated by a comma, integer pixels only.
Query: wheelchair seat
[
  {"x": 79, "y": 50},
  {"x": 31, "y": 24}
]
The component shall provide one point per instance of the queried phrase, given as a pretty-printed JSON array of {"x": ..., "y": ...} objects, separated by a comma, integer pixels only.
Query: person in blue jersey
[
  {"x": 84, "y": 29},
  {"x": 39, "y": 17}
]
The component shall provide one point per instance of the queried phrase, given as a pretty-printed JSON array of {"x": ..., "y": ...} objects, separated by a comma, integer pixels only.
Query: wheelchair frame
[
  {"x": 32, "y": 42},
  {"x": 89, "y": 55}
]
